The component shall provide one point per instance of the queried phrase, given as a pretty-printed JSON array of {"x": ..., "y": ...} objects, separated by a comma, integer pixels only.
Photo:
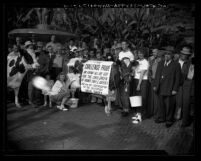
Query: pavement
[{"x": 89, "y": 128}]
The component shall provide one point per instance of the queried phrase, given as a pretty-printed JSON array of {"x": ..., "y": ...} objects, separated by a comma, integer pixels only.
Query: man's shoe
[
  {"x": 159, "y": 121},
  {"x": 124, "y": 114},
  {"x": 44, "y": 105},
  {"x": 185, "y": 125},
  {"x": 64, "y": 109},
  {"x": 168, "y": 125}
]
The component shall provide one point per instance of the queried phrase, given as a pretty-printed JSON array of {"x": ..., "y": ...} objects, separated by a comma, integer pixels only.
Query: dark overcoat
[{"x": 168, "y": 78}]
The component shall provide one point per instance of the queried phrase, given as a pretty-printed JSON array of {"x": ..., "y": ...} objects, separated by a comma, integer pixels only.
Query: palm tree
[{"x": 141, "y": 26}]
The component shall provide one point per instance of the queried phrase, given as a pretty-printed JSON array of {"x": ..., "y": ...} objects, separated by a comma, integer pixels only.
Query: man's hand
[
  {"x": 138, "y": 88},
  {"x": 174, "y": 92},
  {"x": 29, "y": 67}
]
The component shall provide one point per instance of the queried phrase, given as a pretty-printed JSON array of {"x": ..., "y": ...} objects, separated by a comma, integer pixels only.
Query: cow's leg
[
  {"x": 30, "y": 90},
  {"x": 50, "y": 102},
  {"x": 45, "y": 100},
  {"x": 16, "y": 90},
  {"x": 107, "y": 103}
]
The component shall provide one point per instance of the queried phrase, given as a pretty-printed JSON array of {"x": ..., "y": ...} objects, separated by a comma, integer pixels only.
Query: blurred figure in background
[
  {"x": 92, "y": 54},
  {"x": 84, "y": 45},
  {"x": 96, "y": 43},
  {"x": 52, "y": 43},
  {"x": 98, "y": 55},
  {"x": 106, "y": 51},
  {"x": 115, "y": 42},
  {"x": 125, "y": 51},
  {"x": 66, "y": 60},
  {"x": 19, "y": 42},
  {"x": 10, "y": 48},
  {"x": 117, "y": 50},
  {"x": 33, "y": 40},
  {"x": 51, "y": 56},
  {"x": 57, "y": 62},
  {"x": 176, "y": 57}
]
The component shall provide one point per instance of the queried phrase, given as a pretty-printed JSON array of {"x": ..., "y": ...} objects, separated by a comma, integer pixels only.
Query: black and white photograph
[{"x": 100, "y": 77}]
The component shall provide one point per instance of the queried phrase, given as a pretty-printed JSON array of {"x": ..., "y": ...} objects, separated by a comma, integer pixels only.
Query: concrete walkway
[{"x": 89, "y": 128}]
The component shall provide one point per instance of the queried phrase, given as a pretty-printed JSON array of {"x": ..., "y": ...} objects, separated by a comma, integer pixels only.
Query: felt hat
[
  {"x": 27, "y": 43},
  {"x": 118, "y": 46},
  {"x": 169, "y": 50},
  {"x": 39, "y": 43},
  {"x": 185, "y": 51},
  {"x": 74, "y": 48},
  {"x": 154, "y": 50},
  {"x": 80, "y": 49}
]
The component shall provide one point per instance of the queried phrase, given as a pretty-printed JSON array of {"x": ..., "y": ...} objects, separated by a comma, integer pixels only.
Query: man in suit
[
  {"x": 185, "y": 64},
  {"x": 186, "y": 86},
  {"x": 51, "y": 57},
  {"x": 166, "y": 84}
]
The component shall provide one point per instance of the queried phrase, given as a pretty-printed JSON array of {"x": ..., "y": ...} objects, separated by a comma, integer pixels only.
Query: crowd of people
[{"x": 164, "y": 78}]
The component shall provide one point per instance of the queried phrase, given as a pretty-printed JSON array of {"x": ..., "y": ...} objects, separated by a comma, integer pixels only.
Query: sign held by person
[{"x": 96, "y": 76}]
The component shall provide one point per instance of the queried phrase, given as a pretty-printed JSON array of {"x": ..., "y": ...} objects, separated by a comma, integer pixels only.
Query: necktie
[
  {"x": 184, "y": 68},
  {"x": 165, "y": 64},
  {"x": 191, "y": 72}
]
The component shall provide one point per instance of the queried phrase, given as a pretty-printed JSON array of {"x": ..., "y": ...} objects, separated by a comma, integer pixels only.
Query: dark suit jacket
[
  {"x": 43, "y": 60},
  {"x": 114, "y": 77},
  {"x": 184, "y": 71},
  {"x": 167, "y": 79},
  {"x": 51, "y": 61}
]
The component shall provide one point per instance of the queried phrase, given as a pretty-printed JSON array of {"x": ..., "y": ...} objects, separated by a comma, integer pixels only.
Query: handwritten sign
[{"x": 95, "y": 77}]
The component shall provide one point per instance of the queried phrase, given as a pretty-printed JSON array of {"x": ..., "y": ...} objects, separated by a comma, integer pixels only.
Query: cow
[{"x": 18, "y": 63}]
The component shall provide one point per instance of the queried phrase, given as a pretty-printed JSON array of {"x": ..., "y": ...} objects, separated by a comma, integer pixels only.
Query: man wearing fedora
[
  {"x": 183, "y": 96},
  {"x": 166, "y": 84}
]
